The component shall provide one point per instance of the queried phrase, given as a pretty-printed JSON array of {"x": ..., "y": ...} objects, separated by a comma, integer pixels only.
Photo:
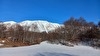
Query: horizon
[
  {"x": 46, "y": 20},
  {"x": 56, "y": 11}
]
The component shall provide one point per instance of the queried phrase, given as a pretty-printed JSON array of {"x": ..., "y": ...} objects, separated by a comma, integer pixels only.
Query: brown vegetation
[{"x": 74, "y": 31}]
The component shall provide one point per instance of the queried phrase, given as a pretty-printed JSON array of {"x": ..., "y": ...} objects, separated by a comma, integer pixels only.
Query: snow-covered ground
[{"x": 46, "y": 49}]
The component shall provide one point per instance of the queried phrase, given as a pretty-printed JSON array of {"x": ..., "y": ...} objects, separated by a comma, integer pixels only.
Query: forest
[{"x": 75, "y": 31}]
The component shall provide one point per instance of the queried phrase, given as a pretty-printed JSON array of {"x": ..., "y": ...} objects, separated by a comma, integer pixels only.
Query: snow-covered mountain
[
  {"x": 10, "y": 24},
  {"x": 35, "y": 26}
]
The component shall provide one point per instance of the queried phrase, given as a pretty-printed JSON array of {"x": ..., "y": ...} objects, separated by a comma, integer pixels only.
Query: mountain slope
[{"x": 35, "y": 26}]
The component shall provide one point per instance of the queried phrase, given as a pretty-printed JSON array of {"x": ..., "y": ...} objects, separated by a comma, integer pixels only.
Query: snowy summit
[{"x": 35, "y": 26}]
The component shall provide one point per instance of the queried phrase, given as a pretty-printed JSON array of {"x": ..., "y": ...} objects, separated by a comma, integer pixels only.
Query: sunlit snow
[
  {"x": 46, "y": 49},
  {"x": 35, "y": 26}
]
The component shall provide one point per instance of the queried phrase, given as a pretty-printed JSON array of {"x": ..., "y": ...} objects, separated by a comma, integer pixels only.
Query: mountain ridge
[{"x": 35, "y": 26}]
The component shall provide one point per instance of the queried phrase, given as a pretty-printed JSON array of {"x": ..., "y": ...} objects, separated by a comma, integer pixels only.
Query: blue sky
[{"x": 56, "y": 11}]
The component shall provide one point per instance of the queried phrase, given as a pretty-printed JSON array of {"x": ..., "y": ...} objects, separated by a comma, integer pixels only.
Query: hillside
[
  {"x": 35, "y": 26},
  {"x": 74, "y": 31}
]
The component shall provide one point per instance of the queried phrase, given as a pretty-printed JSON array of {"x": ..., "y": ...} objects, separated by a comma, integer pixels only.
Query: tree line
[{"x": 77, "y": 31}]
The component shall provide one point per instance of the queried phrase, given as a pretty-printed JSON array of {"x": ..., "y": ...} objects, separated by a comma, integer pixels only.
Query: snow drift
[{"x": 46, "y": 49}]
